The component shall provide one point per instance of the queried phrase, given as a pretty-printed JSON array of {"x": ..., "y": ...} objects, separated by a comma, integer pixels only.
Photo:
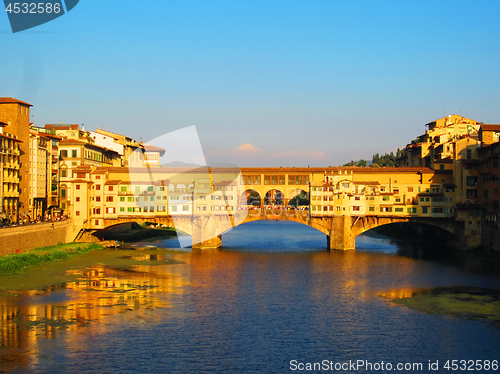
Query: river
[{"x": 270, "y": 301}]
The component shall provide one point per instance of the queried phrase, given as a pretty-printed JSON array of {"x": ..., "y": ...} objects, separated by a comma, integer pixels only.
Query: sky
[{"x": 266, "y": 83}]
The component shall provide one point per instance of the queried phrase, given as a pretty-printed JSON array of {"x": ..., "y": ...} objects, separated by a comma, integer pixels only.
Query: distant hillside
[{"x": 386, "y": 160}]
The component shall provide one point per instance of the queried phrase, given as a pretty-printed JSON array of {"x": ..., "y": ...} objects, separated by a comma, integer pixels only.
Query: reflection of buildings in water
[
  {"x": 99, "y": 292},
  {"x": 398, "y": 294}
]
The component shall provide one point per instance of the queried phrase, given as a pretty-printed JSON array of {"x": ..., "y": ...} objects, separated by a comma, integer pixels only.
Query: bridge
[
  {"x": 341, "y": 231},
  {"x": 341, "y": 202}
]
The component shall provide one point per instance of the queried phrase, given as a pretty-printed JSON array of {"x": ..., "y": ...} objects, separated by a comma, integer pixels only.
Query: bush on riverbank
[{"x": 17, "y": 263}]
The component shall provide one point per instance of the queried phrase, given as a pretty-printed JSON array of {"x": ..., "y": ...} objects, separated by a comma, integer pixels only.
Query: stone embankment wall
[{"x": 26, "y": 237}]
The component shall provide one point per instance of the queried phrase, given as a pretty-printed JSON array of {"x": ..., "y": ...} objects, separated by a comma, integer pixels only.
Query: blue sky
[{"x": 267, "y": 83}]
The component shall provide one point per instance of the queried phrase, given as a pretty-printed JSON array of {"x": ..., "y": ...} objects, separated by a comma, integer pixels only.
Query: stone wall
[{"x": 26, "y": 237}]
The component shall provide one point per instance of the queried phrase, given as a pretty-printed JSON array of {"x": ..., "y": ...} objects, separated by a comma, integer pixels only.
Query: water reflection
[{"x": 99, "y": 293}]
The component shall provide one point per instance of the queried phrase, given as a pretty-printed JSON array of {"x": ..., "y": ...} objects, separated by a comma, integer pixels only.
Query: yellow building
[
  {"x": 44, "y": 172},
  {"x": 9, "y": 176},
  {"x": 15, "y": 114}
]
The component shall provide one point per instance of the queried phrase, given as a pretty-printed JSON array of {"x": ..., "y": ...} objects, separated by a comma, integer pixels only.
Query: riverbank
[{"x": 18, "y": 262}]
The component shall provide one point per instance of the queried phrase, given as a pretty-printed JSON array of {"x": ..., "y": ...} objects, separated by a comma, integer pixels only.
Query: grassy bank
[{"x": 17, "y": 263}]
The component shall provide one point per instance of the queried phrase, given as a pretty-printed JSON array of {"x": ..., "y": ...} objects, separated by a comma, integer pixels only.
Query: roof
[
  {"x": 11, "y": 100},
  {"x": 82, "y": 167},
  {"x": 336, "y": 169},
  {"x": 164, "y": 182},
  {"x": 113, "y": 182},
  {"x": 44, "y": 135},
  {"x": 62, "y": 126},
  {"x": 490, "y": 127},
  {"x": 3, "y": 124},
  {"x": 10, "y": 136},
  {"x": 71, "y": 141},
  {"x": 79, "y": 142},
  {"x": 152, "y": 148},
  {"x": 367, "y": 183}
]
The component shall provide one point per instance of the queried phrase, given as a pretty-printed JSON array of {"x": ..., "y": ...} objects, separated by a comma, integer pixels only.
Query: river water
[{"x": 271, "y": 300}]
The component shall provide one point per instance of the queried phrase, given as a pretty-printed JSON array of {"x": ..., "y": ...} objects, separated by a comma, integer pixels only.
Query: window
[
  {"x": 110, "y": 188},
  {"x": 122, "y": 209},
  {"x": 109, "y": 199},
  {"x": 123, "y": 188},
  {"x": 77, "y": 212},
  {"x": 371, "y": 209},
  {"x": 77, "y": 186},
  {"x": 130, "y": 209},
  {"x": 130, "y": 199},
  {"x": 185, "y": 208},
  {"x": 77, "y": 199},
  {"x": 174, "y": 209},
  {"x": 398, "y": 209},
  {"x": 63, "y": 173},
  {"x": 64, "y": 153},
  {"x": 424, "y": 210},
  {"x": 63, "y": 192},
  {"x": 73, "y": 153},
  {"x": 122, "y": 198},
  {"x": 150, "y": 188},
  {"x": 151, "y": 198},
  {"x": 410, "y": 189},
  {"x": 98, "y": 187}
]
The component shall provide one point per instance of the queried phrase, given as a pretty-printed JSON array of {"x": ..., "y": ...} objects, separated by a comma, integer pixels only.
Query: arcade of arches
[{"x": 275, "y": 197}]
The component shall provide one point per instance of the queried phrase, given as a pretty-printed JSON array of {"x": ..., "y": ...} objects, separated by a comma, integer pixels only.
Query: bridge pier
[
  {"x": 206, "y": 231},
  {"x": 340, "y": 237},
  {"x": 212, "y": 243}
]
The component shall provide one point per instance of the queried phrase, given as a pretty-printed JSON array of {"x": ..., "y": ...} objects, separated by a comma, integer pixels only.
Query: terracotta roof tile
[
  {"x": 490, "y": 127},
  {"x": 11, "y": 100}
]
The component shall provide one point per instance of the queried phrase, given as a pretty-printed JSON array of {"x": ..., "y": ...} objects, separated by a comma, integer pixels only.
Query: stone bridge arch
[
  {"x": 452, "y": 230},
  {"x": 292, "y": 215}
]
